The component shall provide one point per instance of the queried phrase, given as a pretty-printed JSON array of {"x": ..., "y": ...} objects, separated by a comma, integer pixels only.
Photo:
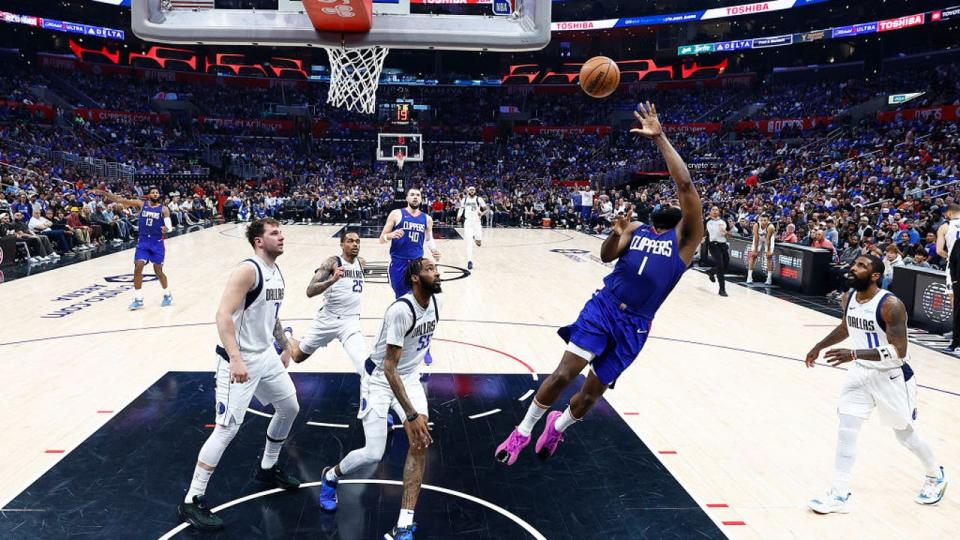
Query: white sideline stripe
[
  {"x": 525, "y": 396},
  {"x": 509, "y": 515},
  {"x": 481, "y": 415},
  {"x": 324, "y": 424},
  {"x": 400, "y": 426}
]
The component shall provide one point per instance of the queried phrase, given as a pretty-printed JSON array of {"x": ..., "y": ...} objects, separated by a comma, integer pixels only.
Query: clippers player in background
[
  {"x": 764, "y": 238},
  {"x": 614, "y": 325},
  {"x": 248, "y": 366},
  {"x": 472, "y": 209},
  {"x": 876, "y": 322},
  {"x": 393, "y": 377},
  {"x": 153, "y": 222},
  {"x": 947, "y": 236},
  {"x": 408, "y": 230}
]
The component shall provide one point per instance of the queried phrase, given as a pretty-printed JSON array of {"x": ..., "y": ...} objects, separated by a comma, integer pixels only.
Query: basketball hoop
[
  {"x": 355, "y": 77},
  {"x": 401, "y": 157}
]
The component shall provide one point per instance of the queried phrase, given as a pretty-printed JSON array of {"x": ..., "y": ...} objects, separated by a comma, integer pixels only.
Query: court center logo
[
  {"x": 935, "y": 303},
  {"x": 378, "y": 272},
  {"x": 581, "y": 255}
]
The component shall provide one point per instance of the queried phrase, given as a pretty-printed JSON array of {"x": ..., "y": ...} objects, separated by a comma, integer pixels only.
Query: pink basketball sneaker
[
  {"x": 509, "y": 451},
  {"x": 550, "y": 439}
]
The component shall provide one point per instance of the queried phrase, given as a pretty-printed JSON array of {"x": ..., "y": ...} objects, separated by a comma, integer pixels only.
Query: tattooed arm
[
  {"x": 290, "y": 346},
  {"x": 328, "y": 274}
]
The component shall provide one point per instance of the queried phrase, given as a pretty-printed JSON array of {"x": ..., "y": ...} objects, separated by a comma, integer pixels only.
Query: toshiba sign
[
  {"x": 747, "y": 9},
  {"x": 900, "y": 22}
]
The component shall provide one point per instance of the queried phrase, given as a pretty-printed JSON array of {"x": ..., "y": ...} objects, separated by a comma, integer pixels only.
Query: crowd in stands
[{"x": 877, "y": 187}]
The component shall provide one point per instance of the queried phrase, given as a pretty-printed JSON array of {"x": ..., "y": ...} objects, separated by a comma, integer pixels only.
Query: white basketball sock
[
  {"x": 405, "y": 519},
  {"x": 846, "y": 452},
  {"x": 285, "y": 413},
  {"x": 331, "y": 475},
  {"x": 909, "y": 438},
  {"x": 469, "y": 241},
  {"x": 210, "y": 454},
  {"x": 565, "y": 420},
  {"x": 534, "y": 414}
]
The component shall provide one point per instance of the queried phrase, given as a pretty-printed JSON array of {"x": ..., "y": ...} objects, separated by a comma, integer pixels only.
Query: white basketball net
[
  {"x": 401, "y": 157},
  {"x": 355, "y": 76}
]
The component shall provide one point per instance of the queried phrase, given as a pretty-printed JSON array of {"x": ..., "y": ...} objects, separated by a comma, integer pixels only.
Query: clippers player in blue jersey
[
  {"x": 615, "y": 323},
  {"x": 153, "y": 221},
  {"x": 408, "y": 230}
]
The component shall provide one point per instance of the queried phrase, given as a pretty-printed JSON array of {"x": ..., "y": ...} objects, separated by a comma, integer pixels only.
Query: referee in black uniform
[{"x": 717, "y": 234}]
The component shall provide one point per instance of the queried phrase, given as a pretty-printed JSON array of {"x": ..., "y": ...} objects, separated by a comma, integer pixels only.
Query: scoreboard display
[{"x": 402, "y": 113}]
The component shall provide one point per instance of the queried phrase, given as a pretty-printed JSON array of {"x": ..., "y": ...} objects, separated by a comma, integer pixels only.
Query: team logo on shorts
[
  {"x": 363, "y": 404},
  {"x": 914, "y": 414},
  {"x": 221, "y": 408}
]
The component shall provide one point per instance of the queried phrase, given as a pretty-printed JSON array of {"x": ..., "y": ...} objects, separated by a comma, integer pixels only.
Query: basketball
[{"x": 599, "y": 77}]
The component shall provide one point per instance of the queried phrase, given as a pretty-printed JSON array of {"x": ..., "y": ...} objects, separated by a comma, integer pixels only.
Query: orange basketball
[{"x": 599, "y": 77}]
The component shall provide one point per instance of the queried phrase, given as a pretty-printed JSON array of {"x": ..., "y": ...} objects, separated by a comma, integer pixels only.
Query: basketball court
[{"x": 716, "y": 430}]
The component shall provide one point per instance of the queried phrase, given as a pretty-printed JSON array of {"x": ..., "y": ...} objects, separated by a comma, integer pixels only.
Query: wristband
[{"x": 412, "y": 417}]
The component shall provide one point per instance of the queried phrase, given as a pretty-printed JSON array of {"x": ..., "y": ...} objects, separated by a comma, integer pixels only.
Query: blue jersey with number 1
[
  {"x": 647, "y": 271},
  {"x": 410, "y": 245}
]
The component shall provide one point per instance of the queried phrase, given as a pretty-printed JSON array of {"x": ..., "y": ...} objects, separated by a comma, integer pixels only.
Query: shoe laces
[
  {"x": 930, "y": 487},
  {"x": 515, "y": 443}
]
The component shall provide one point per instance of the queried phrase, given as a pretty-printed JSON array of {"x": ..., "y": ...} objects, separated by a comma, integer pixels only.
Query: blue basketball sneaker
[
  {"x": 167, "y": 300},
  {"x": 328, "y": 492},
  {"x": 276, "y": 344},
  {"x": 401, "y": 533},
  {"x": 136, "y": 304}
]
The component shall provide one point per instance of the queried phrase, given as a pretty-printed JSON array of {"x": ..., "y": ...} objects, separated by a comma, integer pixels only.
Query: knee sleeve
[
  {"x": 847, "y": 434},
  {"x": 375, "y": 435},
  {"x": 285, "y": 413},
  {"x": 217, "y": 442}
]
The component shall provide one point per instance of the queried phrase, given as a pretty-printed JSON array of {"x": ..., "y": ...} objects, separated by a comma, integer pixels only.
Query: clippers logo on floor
[{"x": 88, "y": 296}]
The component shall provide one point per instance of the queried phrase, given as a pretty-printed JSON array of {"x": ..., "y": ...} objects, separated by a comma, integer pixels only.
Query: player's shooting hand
[
  {"x": 337, "y": 274},
  {"x": 835, "y": 357},
  {"x": 622, "y": 221},
  {"x": 238, "y": 372},
  {"x": 418, "y": 432},
  {"x": 812, "y": 356},
  {"x": 650, "y": 127}
]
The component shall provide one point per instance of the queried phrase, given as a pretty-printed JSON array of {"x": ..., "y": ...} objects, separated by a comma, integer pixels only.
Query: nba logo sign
[{"x": 502, "y": 7}]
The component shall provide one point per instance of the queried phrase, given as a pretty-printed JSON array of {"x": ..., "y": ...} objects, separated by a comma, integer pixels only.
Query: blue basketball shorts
[
  {"x": 614, "y": 335},
  {"x": 150, "y": 250},
  {"x": 398, "y": 267}
]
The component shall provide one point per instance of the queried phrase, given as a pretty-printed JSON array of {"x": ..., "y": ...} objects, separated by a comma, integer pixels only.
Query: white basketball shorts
[
  {"x": 886, "y": 390},
  {"x": 268, "y": 380},
  {"x": 377, "y": 396}
]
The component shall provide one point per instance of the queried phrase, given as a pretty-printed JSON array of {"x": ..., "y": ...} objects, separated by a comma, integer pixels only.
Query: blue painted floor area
[{"x": 125, "y": 481}]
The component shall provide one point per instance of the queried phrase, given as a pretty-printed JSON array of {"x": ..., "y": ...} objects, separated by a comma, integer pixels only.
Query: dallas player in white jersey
[
  {"x": 947, "y": 236},
  {"x": 393, "y": 377},
  {"x": 247, "y": 366},
  {"x": 472, "y": 208},
  {"x": 764, "y": 240},
  {"x": 876, "y": 322},
  {"x": 340, "y": 280}
]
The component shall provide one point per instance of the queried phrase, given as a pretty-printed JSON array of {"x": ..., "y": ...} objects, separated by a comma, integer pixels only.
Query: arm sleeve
[{"x": 397, "y": 321}]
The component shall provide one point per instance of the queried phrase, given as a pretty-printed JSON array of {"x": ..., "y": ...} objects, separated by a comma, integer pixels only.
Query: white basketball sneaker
[
  {"x": 832, "y": 503},
  {"x": 933, "y": 489}
]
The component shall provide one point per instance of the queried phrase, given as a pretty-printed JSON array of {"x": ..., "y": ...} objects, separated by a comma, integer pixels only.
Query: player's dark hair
[
  {"x": 413, "y": 269},
  {"x": 257, "y": 227},
  {"x": 875, "y": 262},
  {"x": 345, "y": 233}
]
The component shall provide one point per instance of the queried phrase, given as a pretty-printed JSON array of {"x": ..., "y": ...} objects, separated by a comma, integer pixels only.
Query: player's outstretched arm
[
  {"x": 388, "y": 234},
  {"x": 328, "y": 274},
  {"x": 838, "y": 334},
  {"x": 690, "y": 230},
  {"x": 116, "y": 198},
  {"x": 241, "y": 280}
]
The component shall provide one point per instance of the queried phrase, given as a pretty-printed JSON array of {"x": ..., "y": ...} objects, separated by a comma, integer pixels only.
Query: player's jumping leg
[
  {"x": 570, "y": 366},
  {"x": 194, "y": 509},
  {"x": 558, "y": 422},
  {"x": 137, "y": 284},
  {"x": 167, "y": 295},
  {"x": 935, "y": 481},
  {"x": 412, "y": 480}
]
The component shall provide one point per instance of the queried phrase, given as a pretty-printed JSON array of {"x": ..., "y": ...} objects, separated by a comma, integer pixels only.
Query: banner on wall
[{"x": 946, "y": 112}]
